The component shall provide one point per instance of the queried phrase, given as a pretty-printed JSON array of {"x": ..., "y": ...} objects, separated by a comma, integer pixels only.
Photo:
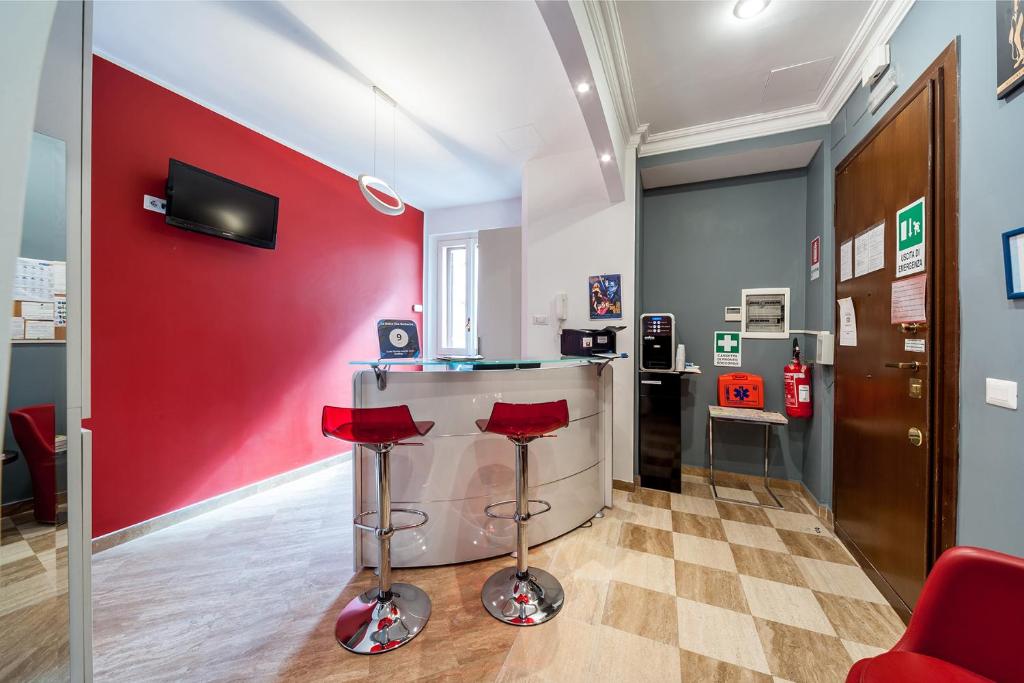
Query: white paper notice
[
  {"x": 60, "y": 277},
  {"x": 847, "y": 323},
  {"x": 33, "y": 310},
  {"x": 17, "y": 328},
  {"x": 846, "y": 261},
  {"x": 33, "y": 280},
  {"x": 39, "y": 329},
  {"x": 915, "y": 345},
  {"x": 908, "y": 300},
  {"x": 869, "y": 251}
]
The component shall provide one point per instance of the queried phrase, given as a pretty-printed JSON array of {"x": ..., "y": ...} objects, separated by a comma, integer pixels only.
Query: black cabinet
[{"x": 659, "y": 425}]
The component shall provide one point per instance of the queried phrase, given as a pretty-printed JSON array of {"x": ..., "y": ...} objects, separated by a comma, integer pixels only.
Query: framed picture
[
  {"x": 605, "y": 296},
  {"x": 1013, "y": 257},
  {"x": 1009, "y": 46}
]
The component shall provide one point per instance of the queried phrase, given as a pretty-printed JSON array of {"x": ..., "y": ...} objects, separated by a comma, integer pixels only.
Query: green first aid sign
[
  {"x": 727, "y": 349},
  {"x": 910, "y": 229}
]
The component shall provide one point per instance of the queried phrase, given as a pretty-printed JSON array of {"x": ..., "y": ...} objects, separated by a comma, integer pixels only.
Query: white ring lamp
[{"x": 368, "y": 181}]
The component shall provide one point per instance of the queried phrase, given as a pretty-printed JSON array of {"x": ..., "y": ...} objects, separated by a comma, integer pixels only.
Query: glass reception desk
[{"x": 459, "y": 470}]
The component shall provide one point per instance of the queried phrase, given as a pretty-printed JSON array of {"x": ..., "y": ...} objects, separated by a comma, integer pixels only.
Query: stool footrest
[
  {"x": 487, "y": 510},
  {"x": 401, "y": 527}
]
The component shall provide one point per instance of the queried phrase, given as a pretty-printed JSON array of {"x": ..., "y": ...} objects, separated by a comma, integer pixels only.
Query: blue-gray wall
[
  {"x": 702, "y": 244},
  {"x": 991, "y": 507},
  {"x": 39, "y": 371}
]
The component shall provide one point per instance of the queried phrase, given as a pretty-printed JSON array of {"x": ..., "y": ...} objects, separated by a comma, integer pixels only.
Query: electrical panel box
[
  {"x": 658, "y": 342},
  {"x": 825, "y": 349}
]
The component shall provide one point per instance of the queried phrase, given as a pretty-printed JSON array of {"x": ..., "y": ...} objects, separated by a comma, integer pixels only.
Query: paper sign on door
[
  {"x": 908, "y": 300},
  {"x": 910, "y": 229},
  {"x": 847, "y": 323}
]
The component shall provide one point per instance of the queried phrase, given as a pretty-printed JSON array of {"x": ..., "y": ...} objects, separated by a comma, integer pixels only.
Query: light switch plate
[
  {"x": 1001, "y": 392},
  {"x": 540, "y": 320},
  {"x": 151, "y": 203}
]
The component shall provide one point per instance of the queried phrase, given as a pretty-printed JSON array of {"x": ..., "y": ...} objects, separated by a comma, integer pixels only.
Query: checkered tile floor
[
  {"x": 712, "y": 591},
  {"x": 33, "y": 561}
]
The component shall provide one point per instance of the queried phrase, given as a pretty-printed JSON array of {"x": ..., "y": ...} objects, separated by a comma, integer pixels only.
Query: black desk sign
[{"x": 398, "y": 339}]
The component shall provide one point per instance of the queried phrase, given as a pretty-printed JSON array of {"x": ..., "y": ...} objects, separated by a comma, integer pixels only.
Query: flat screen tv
[{"x": 201, "y": 201}]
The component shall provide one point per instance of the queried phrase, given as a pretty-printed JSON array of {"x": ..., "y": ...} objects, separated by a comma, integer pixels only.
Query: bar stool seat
[
  {"x": 523, "y": 595},
  {"x": 389, "y": 616}
]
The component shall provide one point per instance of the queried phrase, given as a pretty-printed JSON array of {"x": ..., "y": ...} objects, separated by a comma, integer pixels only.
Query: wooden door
[{"x": 892, "y": 491}]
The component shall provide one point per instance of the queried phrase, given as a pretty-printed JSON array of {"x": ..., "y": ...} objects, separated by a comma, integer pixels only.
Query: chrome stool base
[
  {"x": 522, "y": 602},
  {"x": 367, "y": 625}
]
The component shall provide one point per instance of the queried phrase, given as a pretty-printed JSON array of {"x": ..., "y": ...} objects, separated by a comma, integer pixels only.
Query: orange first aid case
[{"x": 741, "y": 390}]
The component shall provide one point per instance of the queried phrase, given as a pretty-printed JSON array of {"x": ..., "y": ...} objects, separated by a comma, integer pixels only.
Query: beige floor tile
[
  {"x": 776, "y": 679},
  {"x": 619, "y": 656},
  {"x": 785, "y": 604},
  {"x": 862, "y": 622},
  {"x": 695, "y": 479},
  {"x": 582, "y": 558},
  {"x": 803, "y": 656},
  {"x": 704, "y": 551},
  {"x": 742, "y": 513},
  {"x": 658, "y": 518},
  {"x": 602, "y": 530},
  {"x": 695, "y": 667},
  {"x": 694, "y": 505},
  {"x": 766, "y": 564},
  {"x": 646, "y": 539},
  {"x": 642, "y": 612},
  {"x": 841, "y": 579},
  {"x": 735, "y": 493},
  {"x": 584, "y": 598},
  {"x": 697, "y": 525},
  {"x": 558, "y": 650},
  {"x": 816, "y": 547},
  {"x": 643, "y": 569},
  {"x": 12, "y": 552},
  {"x": 860, "y": 651},
  {"x": 711, "y": 586},
  {"x": 797, "y": 521},
  {"x": 754, "y": 535},
  {"x": 720, "y": 634}
]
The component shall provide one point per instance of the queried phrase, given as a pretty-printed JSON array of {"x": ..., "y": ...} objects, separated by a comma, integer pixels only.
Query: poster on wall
[
  {"x": 728, "y": 349},
  {"x": 816, "y": 258},
  {"x": 1009, "y": 46},
  {"x": 605, "y": 296}
]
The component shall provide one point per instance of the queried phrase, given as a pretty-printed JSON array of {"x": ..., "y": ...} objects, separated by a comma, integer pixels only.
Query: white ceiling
[
  {"x": 693, "y": 63},
  {"x": 479, "y": 85},
  {"x": 750, "y": 162}
]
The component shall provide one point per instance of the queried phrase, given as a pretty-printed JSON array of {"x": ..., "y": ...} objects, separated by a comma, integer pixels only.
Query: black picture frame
[
  {"x": 1009, "y": 46},
  {"x": 1013, "y": 263}
]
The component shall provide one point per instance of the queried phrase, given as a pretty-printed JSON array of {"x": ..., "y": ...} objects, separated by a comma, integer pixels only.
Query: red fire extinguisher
[{"x": 796, "y": 378}]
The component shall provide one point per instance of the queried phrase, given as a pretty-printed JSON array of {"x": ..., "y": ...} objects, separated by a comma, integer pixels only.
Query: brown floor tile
[
  {"x": 816, "y": 547},
  {"x": 27, "y": 567},
  {"x": 790, "y": 503},
  {"x": 863, "y": 622},
  {"x": 644, "y": 612},
  {"x": 742, "y": 513},
  {"x": 732, "y": 480},
  {"x": 697, "y": 525},
  {"x": 43, "y": 542},
  {"x": 646, "y": 539},
  {"x": 698, "y": 490},
  {"x": 622, "y": 485},
  {"x": 803, "y": 656},
  {"x": 657, "y": 499},
  {"x": 695, "y": 667},
  {"x": 710, "y": 586},
  {"x": 766, "y": 564}
]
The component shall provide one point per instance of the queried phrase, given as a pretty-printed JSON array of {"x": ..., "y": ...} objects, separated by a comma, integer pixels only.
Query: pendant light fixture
[{"x": 374, "y": 188}]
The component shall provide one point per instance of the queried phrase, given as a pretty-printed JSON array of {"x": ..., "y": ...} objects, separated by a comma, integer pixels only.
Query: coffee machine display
[{"x": 658, "y": 342}]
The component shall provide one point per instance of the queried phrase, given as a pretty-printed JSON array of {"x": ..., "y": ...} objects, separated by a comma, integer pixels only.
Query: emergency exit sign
[
  {"x": 910, "y": 228},
  {"x": 727, "y": 349}
]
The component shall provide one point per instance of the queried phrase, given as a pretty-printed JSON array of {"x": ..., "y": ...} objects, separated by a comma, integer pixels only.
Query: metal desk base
[{"x": 711, "y": 454}]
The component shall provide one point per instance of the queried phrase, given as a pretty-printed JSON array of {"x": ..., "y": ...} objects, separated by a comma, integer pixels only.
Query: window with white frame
[{"x": 455, "y": 287}]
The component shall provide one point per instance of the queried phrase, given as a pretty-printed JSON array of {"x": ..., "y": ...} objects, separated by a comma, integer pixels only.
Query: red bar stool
[
  {"x": 390, "y": 615},
  {"x": 520, "y": 595}
]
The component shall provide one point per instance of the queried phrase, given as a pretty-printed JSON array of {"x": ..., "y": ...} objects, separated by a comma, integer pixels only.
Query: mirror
[{"x": 33, "y": 482}]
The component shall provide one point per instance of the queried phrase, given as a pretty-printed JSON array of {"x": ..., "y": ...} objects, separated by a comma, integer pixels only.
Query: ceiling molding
[
  {"x": 604, "y": 22},
  {"x": 877, "y": 27}
]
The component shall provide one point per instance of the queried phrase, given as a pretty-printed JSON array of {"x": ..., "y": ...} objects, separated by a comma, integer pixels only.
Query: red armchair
[
  {"x": 968, "y": 625},
  {"x": 34, "y": 429}
]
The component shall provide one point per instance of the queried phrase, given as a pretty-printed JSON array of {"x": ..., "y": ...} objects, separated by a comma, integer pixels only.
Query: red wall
[{"x": 211, "y": 360}]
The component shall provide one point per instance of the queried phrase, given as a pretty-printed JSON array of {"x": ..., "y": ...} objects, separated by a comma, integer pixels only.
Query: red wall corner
[{"x": 211, "y": 360}]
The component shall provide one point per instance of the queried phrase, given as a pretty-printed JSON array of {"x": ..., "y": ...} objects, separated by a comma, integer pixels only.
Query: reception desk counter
[{"x": 458, "y": 470}]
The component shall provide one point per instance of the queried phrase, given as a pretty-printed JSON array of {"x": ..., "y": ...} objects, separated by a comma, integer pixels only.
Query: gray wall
[
  {"x": 39, "y": 371},
  {"x": 701, "y": 245},
  {"x": 991, "y": 508}
]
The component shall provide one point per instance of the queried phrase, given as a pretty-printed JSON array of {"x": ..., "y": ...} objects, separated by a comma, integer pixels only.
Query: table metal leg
[{"x": 714, "y": 489}]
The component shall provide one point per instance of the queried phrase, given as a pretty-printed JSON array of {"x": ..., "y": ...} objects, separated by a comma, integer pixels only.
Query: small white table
[{"x": 750, "y": 416}]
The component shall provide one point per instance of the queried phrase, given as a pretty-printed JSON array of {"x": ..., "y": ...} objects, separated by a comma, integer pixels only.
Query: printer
[{"x": 580, "y": 342}]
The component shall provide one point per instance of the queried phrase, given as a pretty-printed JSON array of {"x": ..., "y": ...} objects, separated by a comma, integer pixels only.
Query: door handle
[
  {"x": 912, "y": 365},
  {"x": 915, "y": 436}
]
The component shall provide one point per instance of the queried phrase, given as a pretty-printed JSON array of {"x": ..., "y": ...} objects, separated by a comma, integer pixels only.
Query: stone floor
[{"x": 664, "y": 587}]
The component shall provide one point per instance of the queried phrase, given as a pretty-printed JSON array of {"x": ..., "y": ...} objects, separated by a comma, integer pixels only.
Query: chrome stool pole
[
  {"x": 521, "y": 595},
  {"x": 392, "y": 614}
]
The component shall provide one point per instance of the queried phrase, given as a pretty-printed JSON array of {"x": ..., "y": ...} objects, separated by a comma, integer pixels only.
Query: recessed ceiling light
[
  {"x": 582, "y": 87},
  {"x": 605, "y": 158},
  {"x": 745, "y": 9}
]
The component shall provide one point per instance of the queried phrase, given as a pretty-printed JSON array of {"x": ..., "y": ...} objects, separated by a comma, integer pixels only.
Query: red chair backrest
[{"x": 35, "y": 428}]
